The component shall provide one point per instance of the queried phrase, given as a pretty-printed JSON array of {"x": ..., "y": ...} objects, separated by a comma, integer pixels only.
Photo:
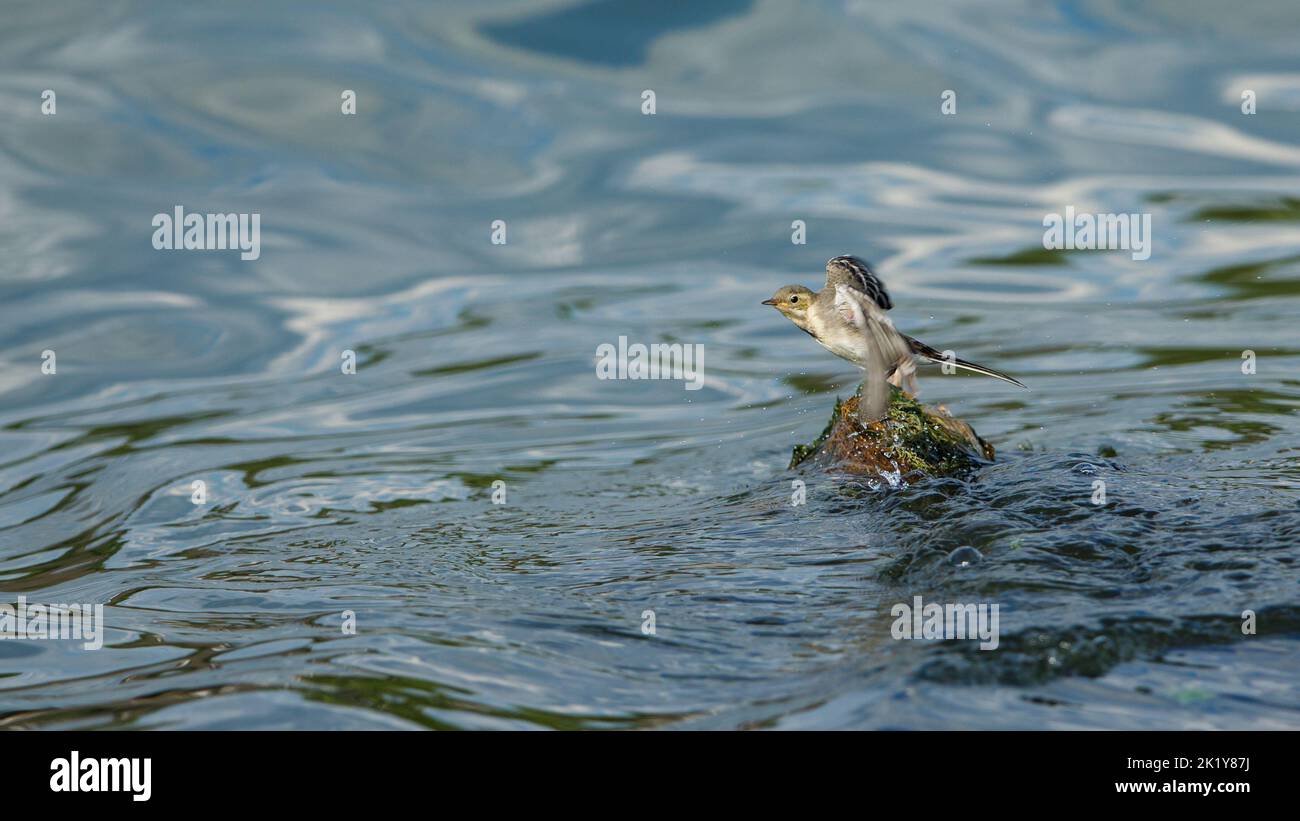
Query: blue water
[{"x": 372, "y": 493}]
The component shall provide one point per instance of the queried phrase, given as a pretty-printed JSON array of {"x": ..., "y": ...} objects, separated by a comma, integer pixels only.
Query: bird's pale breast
[{"x": 838, "y": 337}]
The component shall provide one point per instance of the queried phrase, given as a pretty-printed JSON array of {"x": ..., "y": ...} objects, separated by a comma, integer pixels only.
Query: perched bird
[{"x": 848, "y": 318}]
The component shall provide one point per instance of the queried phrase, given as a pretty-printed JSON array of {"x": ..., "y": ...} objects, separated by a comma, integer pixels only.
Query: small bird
[{"x": 847, "y": 318}]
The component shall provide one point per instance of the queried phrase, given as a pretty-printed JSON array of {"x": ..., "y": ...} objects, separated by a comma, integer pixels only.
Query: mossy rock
[{"x": 918, "y": 442}]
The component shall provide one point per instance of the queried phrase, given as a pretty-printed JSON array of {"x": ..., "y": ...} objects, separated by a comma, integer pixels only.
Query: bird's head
[{"x": 793, "y": 301}]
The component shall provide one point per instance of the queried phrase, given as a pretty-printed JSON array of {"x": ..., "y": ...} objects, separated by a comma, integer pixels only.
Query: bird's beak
[{"x": 769, "y": 302}]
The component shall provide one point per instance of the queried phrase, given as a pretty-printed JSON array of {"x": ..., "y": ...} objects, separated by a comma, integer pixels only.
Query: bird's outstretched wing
[
  {"x": 855, "y": 273},
  {"x": 887, "y": 349}
]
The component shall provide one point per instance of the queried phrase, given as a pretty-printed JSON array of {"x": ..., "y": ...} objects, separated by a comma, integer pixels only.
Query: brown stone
[{"x": 918, "y": 442}]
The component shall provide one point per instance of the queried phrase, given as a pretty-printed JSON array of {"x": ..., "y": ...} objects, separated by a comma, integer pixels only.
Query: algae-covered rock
[{"x": 918, "y": 441}]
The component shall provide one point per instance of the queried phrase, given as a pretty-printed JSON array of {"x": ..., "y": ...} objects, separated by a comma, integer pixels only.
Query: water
[{"x": 372, "y": 493}]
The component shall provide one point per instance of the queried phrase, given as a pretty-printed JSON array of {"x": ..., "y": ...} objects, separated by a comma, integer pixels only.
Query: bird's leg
[{"x": 903, "y": 376}]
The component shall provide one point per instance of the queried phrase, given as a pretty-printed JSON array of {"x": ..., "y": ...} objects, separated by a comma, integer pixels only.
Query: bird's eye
[{"x": 794, "y": 298}]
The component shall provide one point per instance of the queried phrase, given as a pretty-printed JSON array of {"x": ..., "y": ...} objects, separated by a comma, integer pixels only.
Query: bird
[{"x": 847, "y": 317}]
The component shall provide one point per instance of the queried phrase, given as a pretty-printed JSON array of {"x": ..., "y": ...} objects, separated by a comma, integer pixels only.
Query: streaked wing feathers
[{"x": 857, "y": 274}]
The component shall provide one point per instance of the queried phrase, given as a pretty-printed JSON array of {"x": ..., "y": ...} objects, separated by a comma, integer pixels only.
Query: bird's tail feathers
[{"x": 926, "y": 352}]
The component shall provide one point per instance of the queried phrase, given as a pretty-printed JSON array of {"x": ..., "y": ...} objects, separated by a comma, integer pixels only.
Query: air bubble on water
[{"x": 965, "y": 557}]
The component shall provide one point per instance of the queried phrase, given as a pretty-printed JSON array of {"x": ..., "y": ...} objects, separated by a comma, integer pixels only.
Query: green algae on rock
[{"x": 919, "y": 441}]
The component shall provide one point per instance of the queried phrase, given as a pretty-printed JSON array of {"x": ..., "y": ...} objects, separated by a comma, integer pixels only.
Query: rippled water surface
[{"x": 372, "y": 493}]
